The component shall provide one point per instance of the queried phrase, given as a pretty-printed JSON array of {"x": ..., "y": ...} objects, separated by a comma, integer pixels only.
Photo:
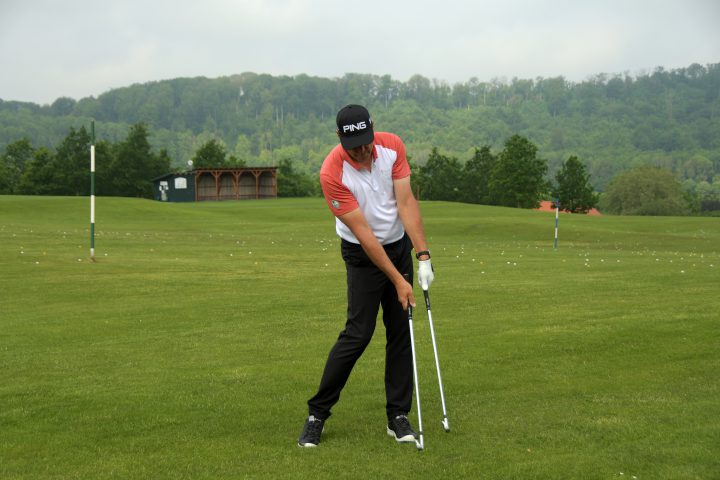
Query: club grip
[
  {"x": 427, "y": 299},
  {"x": 410, "y": 308}
]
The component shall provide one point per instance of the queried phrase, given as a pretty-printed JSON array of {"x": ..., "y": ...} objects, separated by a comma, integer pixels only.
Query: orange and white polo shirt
[{"x": 346, "y": 187}]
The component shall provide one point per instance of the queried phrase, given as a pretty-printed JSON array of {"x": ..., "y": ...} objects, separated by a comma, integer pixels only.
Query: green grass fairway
[{"x": 189, "y": 349}]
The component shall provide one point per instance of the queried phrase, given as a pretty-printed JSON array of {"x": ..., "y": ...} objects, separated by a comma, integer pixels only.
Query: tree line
[
  {"x": 513, "y": 177},
  {"x": 123, "y": 168}
]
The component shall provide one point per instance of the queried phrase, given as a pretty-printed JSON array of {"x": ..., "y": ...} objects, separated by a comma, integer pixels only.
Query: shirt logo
[{"x": 335, "y": 204}]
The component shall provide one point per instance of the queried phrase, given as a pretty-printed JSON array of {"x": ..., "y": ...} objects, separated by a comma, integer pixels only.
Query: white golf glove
[{"x": 425, "y": 274}]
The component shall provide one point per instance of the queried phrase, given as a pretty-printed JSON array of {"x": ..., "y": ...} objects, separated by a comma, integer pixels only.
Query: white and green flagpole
[{"x": 92, "y": 191}]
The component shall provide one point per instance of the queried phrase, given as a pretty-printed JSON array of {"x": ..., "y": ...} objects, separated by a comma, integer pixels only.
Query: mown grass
[{"x": 189, "y": 349}]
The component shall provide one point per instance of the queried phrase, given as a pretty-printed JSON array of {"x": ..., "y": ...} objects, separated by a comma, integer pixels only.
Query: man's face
[{"x": 361, "y": 154}]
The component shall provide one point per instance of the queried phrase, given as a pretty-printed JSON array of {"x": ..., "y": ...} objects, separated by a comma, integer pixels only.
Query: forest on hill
[{"x": 611, "y": 122}]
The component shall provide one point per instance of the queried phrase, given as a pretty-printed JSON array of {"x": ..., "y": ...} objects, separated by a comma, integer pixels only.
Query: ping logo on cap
[{"x": 354, "y": 127}]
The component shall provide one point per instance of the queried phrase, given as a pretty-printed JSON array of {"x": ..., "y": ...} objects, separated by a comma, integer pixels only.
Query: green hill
[{"x": 610, "y": 121}]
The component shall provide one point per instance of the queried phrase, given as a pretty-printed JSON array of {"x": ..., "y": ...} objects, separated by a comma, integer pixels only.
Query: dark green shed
[{"x": 175, "y": 187}]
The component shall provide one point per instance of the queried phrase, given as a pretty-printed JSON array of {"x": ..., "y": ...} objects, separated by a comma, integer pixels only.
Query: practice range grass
[{"x": 189, "y": 349}]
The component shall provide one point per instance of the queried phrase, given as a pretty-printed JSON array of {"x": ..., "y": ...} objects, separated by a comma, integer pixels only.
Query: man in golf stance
[{"x": 366, "y": 183}]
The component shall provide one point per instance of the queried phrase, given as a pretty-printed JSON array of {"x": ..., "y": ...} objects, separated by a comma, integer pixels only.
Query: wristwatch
[{"x": 424, "y": 252}]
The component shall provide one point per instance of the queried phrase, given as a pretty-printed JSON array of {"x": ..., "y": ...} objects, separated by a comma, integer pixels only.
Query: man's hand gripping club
[{"x": 404, "y": 293}]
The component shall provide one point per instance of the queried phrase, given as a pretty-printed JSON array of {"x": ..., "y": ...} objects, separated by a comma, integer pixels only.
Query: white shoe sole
[{"x": 406, "y": 439}]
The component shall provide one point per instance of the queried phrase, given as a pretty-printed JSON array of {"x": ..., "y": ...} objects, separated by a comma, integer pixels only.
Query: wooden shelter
[
  {"x": 235, "y": 183},
  {"x": 215, "y": 184}
]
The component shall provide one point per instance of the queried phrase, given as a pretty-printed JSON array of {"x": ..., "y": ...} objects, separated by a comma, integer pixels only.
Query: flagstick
[{"x": 92, "y": 191}]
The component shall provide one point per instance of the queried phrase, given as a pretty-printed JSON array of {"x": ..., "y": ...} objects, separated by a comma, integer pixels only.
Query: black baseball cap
[{"x": 354, "y": 126}]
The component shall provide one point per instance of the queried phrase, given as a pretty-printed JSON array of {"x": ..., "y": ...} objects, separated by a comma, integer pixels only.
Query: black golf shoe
[
  {"x": 400, "y": 429},
  {"x": 312, "y": 430}
]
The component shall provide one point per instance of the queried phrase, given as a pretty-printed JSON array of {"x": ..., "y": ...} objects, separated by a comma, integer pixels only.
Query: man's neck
[{"x": 367, "y": 165}]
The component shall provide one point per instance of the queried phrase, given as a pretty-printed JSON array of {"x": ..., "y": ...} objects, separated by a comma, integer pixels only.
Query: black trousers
[{"x": 368, "y": 288}]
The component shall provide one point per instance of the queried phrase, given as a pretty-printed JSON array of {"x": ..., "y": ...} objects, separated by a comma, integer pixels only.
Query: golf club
[
  {"x": 445, "y": 421},
  {"x": 418, "y": 442}
]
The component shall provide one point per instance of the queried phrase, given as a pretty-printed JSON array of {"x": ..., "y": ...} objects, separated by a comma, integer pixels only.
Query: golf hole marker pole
[
  {"x": 445, "y": 421},
  {"x": 557, "y": 216},
  {"x": 92, "y": 190}
]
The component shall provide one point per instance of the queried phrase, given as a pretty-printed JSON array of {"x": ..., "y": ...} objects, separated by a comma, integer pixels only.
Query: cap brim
[{"x": 355, "y": 141}]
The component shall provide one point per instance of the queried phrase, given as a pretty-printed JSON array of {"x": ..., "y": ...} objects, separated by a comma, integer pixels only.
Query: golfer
[{"x": 366, "y": 183}]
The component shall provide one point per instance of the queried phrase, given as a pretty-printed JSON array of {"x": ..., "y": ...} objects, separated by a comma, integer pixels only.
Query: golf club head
[
  {"x": 446, "y": 424},
  {"x": 419, "y": 445}
]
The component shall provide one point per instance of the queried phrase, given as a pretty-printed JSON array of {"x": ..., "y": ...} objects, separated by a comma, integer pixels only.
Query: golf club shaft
[
  {"x": 421, "y": 444},
  {"x": 445, "y": 422}
]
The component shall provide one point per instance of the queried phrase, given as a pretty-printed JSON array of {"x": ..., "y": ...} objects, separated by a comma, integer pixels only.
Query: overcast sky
[{"x": 79, "y": 48}]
